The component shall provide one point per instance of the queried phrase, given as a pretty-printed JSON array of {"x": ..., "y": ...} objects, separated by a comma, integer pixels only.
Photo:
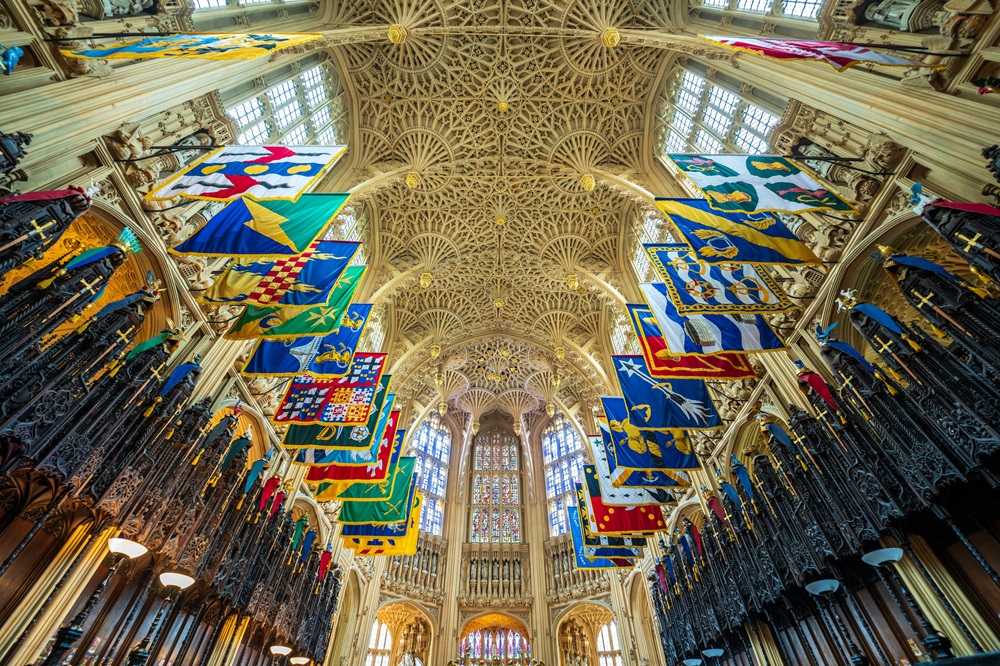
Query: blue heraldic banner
[
  {"x": 696, "y": 287},
  {"x": 582, "y": 562},
  {"x": 717, "y": 236},
  {"x": 247, "y": 228},
  {"x": 708, "y": 333},
  {"x": 320, "y": 356},
  {"x": 657, "y": 404},
  {"x": 390, "y": 530}
]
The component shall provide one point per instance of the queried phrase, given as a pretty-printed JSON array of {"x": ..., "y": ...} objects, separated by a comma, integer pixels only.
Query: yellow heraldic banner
[{"x": 218, "y": 46}]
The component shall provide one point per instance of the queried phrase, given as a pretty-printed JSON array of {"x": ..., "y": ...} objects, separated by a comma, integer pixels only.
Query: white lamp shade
[
  {"x": 712, "y": 653},
  {"x": 882, "y": 556},
  {"x": 692, "y": 662},
  {"x": 282, "y": 650},
  {"x": 178, "y": 580},
  {"x": 126, "y": 547},
  {"x": 300, "y": 661},
  {"x": 825, "y": 586}
]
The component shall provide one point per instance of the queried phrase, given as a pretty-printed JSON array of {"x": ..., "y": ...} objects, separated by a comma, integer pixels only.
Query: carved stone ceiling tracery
[{"x": 480, "y": 130}]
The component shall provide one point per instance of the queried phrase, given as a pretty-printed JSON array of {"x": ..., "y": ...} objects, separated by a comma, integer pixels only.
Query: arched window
[
  {"x": 804, "y": 9},
  {"x": 379, "y": 645},
  {"x": 496, "y": 488},
  {"x": 492, "y": 643},
  {"x": 305, "y": 108},
  {"x": 431, "y": 445},
  {"x": 706, "y": 117},
  {"x": 563, "y": 459},
  {"x": 609, "y": 651}
]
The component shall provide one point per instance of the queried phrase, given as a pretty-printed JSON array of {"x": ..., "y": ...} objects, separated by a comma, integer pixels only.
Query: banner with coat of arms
[
  {"x": 752, "y": 183},
  {"x": 696, "y": 287},
  {"x": 346, "y": 400}
]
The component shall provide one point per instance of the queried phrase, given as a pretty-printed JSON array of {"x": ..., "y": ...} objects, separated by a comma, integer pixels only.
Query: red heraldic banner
[
  {"x": 663, "y": 364},
  {"x": 837, "y": 55}
]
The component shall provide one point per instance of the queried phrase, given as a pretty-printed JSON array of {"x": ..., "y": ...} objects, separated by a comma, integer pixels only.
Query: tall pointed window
[
  {"x": 609, "y": 651},
  {"x": 803, "y": 9},
  {"x": 705, "y": 117},
  {"x": 431, "y": 445},
  {"x": 303, "y": 109},
  {"x": 379, "y": 645},
  {"x": 563, "y": 459},
  {"x": 496, "y": 488}
]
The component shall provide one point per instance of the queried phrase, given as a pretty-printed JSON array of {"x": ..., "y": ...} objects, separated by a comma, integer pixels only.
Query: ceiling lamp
[
  {"x": 550, "y": 409},
  {"x": 425, "y": 278},
  {"x": 280, "y": 650},
  {"x": 442, "y": 408},
  {"x": 435, "y": 352},
  {"x": 175, "y": 579},
  {"x": 126, "y": 547},
  {"x": 475, "y": 427},
  {"x": 573, "y": 282},
  {"x": 300, "y": 661},
  {"x": 588, "y": 182},
  {"x": 560, "y": 353}
]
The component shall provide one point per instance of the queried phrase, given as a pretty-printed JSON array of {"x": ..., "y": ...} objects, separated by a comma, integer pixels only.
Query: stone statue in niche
[
  {"x": 904, "y": 15},
  {"x": 860, "y": 186}
]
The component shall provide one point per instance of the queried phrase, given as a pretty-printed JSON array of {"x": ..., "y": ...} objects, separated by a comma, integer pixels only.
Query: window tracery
[
  {"x": 609, "y": 651},
  {"x": 379, "y": 645},
  {"x": 802, "y": 9},
  {"x": 706, "y": 117},
  {"x": 493, "y": 644},
  {"x": 496, "y": 488},
  {"x": 431, "y": 445},
  {"x": 563, "y": 460},
  {"x": 305, "y": 108}
]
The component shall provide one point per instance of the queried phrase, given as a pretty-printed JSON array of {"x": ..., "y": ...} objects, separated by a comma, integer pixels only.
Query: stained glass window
[
  {"x": 431, "y": 445},
  {"x": 563, "y": 459},
  {"x": 707, "y": 118},
  {"x": 379, "y": 645},
  {"x": 496, "y": 497},
  {"x": 308, "y": 108},
  {"x": 494, "y": 643},
  {"x": 609, "y": 651}
]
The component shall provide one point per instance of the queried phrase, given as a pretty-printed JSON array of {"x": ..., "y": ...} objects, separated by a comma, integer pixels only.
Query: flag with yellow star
[
  {"x": 259, "y": 229},
  {"x": 285, "y": 323}
]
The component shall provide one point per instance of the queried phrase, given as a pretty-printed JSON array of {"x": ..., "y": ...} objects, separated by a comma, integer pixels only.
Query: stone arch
[
  {"x": 496, "y": 621},
  {"x": 347, "y": 624},
  {"x": 643, "y": 629},
  {"x": 101, "y": 225},
  {"x": 576, "y": 632},
  {"x": 407, "y": 620},
  {"x": 906, "y": 232}
]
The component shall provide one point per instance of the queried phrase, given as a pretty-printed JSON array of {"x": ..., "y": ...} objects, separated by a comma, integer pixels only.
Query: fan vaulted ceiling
[{"x": 489, "y": 130}]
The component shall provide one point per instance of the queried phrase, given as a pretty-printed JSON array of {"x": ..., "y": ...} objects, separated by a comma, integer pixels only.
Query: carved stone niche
[{"x": 961, "y": 20}]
